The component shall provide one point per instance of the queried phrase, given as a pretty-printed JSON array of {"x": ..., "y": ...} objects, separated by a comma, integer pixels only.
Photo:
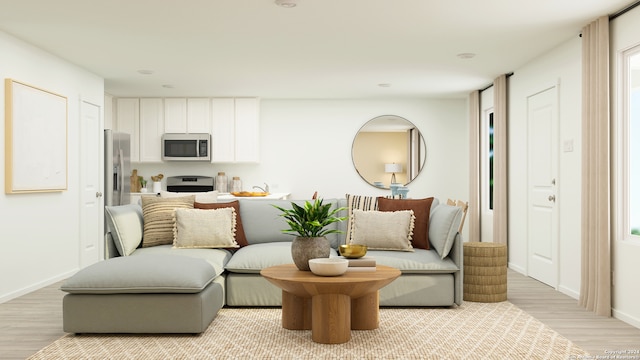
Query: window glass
[
  {"x": 633, "y": 143},
  {"x": 490, "y": 180}
]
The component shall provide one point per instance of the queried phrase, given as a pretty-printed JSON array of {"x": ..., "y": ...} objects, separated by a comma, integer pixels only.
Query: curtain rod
[
  {"x": 624, "y": 10},
  {"x": 490, "y": 85}
]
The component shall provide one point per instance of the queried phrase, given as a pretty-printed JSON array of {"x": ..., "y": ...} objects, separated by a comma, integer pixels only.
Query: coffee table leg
[
  {"x": 331, "y": 318},
  {"x": 365, "y": 314},
  {"x": 296, "y": 312}
]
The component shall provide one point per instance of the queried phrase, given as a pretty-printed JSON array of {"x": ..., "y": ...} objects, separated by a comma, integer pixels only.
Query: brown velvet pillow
[
  {"x": 421, "y": 210},
  {"x": 241, "y": 239}
]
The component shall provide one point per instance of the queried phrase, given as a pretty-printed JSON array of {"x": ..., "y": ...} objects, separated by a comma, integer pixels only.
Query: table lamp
[{"x": 393, "y": 169}]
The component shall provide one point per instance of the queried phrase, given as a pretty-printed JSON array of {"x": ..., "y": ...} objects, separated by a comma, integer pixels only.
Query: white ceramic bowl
[{"x": 328, "y": 266}]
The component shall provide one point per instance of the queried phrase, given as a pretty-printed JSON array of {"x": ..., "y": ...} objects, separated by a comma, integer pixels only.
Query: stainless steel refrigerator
[{"x": 117, "y": 164}]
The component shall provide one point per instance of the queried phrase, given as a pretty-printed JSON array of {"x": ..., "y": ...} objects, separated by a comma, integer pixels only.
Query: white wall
[
  {"x": 560, "y": 66},
  {"x": 624, "y": 33},
  {"x": 305, "y": 146},
  {"x": 40, "y": 231}
]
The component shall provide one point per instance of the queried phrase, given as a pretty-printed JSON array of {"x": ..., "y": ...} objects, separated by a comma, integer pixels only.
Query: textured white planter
[{"x": 304, "y": 249}]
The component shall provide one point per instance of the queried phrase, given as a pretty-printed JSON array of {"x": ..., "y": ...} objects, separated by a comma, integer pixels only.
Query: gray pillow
[
  {"x": 443, "y": 227},
  {"x": 125, "y": 222}
]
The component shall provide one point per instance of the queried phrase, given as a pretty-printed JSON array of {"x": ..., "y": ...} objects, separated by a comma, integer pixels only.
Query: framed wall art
[{"x": 35, "y": 139}]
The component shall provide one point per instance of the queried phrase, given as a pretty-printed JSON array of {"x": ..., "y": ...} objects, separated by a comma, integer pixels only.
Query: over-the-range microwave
[{"x": 186, "y": 147}]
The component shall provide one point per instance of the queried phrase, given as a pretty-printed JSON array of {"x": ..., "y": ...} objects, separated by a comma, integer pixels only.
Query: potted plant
[{"x": 308, "y": 224}]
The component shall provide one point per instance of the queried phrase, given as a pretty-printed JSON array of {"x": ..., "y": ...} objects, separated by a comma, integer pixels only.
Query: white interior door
[
  {"x": 542, "y": 119},
  {"x": 91, "y": 165}
]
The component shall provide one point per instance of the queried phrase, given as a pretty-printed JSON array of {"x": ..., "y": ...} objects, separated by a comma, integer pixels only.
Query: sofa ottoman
[{"x": 142, "y": 294}]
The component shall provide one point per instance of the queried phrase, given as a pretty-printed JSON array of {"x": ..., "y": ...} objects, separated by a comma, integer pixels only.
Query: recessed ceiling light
[
  {"x": 384, "y": 85},
  {"x": 286, "y": 3},
  {"x": 145, "y": 72},
  {"x": 466, "y": 55},
  {"x": 167, "y": 86}
]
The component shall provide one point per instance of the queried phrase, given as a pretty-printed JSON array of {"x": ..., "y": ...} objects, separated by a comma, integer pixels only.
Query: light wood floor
[{"x": 30, "y": 322}]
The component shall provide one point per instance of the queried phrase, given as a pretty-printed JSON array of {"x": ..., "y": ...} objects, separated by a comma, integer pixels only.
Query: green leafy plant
[{"x": 311, "y": 219}]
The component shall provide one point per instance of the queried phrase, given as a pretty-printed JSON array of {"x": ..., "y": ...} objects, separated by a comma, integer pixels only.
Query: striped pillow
[
  {"x": 365, "y": 203},
  {"x": 158, "y": 218}
]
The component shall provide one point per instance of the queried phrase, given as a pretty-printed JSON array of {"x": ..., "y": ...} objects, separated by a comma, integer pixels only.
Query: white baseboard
[
  {"x": 633, "y": 321},
  {"x": 569, "y": 292},
  {"x": 517, "y": 268},
  {"x": 36, "y": 286}
]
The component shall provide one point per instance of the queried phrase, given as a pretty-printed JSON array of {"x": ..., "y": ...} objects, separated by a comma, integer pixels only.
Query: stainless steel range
[{"x": 190, "y": 183}]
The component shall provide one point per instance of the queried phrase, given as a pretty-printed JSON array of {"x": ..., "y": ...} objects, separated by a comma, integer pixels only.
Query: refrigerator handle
[{"x": 121, "y": 180}]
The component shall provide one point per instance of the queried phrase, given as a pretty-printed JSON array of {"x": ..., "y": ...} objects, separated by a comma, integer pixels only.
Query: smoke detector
[{"x": 287, "y": 3}]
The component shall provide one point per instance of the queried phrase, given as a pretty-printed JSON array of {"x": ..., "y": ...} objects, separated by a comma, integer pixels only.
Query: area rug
[{"x": 470, "y": 331}]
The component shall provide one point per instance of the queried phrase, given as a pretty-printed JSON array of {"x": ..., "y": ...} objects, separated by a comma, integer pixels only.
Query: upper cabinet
[
  {"x": 151, "y": 129},
  {"x": 235, "y": 130},
  {"x": 187, "y": 115},
  {"x": 128, "y": 121},
  {"x": 175, "y": 111},
  {"x": 199, "y": 116},
  {"x": 108, "y": 112},
  {"x": 232, "y": 123}
]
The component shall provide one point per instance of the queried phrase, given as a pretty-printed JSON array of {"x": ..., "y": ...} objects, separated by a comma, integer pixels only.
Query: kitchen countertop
[
  {"x": 271, "y": 196},
  {"x": 228, "y": 196}
]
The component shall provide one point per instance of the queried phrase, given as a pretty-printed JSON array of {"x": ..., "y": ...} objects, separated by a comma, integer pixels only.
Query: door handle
[{"x": 552, "y": 198}]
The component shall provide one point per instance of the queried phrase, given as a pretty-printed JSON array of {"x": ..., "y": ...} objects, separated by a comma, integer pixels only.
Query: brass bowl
[{"x": 353, "y": 251}]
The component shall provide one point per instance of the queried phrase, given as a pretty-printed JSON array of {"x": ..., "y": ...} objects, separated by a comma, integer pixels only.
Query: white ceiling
[{"x": 319, "y": 49}]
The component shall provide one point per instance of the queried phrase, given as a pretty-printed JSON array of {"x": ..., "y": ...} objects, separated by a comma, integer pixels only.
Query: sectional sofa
[{"x": 430, "y": 277}]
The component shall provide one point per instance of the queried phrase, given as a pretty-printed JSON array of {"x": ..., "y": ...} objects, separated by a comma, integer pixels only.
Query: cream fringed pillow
[
  {"x": 383, "y": 230},
  {"x": 202, "y": 229},
  {"x": 158, "y": 218},
  {"x": 359, "y": 202}
]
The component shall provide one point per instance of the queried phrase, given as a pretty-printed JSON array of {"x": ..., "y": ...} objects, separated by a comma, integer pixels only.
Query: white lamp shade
[{"x": 392, "y": 168}]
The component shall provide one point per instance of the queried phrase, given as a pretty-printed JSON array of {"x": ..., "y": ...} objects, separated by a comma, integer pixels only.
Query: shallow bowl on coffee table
[
  {"x": 353, "y": 251},
  {"x": 328, "y": 266}
]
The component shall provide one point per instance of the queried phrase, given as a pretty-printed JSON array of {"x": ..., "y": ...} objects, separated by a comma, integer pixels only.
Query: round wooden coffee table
[{"x": 331, "y": 306}]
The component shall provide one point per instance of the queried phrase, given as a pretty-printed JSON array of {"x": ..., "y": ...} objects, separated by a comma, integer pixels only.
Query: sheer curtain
[
  {"x": 595, "y": 287},
  {"x": 474, "y": 166},
  {"x": 500, "y": 158}
]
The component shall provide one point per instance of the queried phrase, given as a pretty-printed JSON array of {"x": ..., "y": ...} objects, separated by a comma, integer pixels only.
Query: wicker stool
[{"x": 485, "y": 272}]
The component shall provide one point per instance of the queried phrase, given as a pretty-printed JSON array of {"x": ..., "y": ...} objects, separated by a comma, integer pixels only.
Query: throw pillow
[
  {"x": 383, "y": 230},
  {"x": 125, "y": 225},
  {"x": 201, "y": 197},
  {"x": 202, "y": 229},
  {"x": 366, "y": 203},
  {"x": 421, "y": 209},
  {"x": 158, "y": 218},
  {"x": 443, "y": 227},
  {"x": 241, "y": 238}
]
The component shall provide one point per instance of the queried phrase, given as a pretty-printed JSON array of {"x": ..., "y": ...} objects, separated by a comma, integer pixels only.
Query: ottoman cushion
[{"x": 142, "y": 274}]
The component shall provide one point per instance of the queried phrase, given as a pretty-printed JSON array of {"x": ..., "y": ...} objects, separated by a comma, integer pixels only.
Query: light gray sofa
[{"x": 428, "y": 279}]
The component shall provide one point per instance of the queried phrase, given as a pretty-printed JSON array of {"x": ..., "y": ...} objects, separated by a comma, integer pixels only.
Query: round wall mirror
[{"x": 388, "y": 149}]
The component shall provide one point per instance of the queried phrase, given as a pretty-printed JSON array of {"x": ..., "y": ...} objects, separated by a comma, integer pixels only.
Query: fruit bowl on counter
[{"x": 249, "y": 193}]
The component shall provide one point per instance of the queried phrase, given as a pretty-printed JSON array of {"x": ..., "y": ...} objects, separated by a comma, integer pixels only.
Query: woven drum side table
[{"x": 485, "y": 272}]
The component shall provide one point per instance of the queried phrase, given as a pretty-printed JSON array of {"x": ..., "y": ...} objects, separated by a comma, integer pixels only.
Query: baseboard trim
[
  {"x": 569, "y": 292},
  {"x": 39, "y": 285},
  {"x": 517, "y": 268},
  {"x": 631, "y": 320}
]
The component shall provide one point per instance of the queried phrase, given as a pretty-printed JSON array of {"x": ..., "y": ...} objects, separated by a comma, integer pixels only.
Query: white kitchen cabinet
[
  {"x": 235, "y": 130},
  {"x": 187, "y": 115},
  {"x": 151, "y": 129},
  {"x": 108, "y": 112},
  {"x": 128, "y": 121},
  {"x": 247, "y": 130},
  {"x": 199, "y": 115},
  {"x": 175, "y": 115}
]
